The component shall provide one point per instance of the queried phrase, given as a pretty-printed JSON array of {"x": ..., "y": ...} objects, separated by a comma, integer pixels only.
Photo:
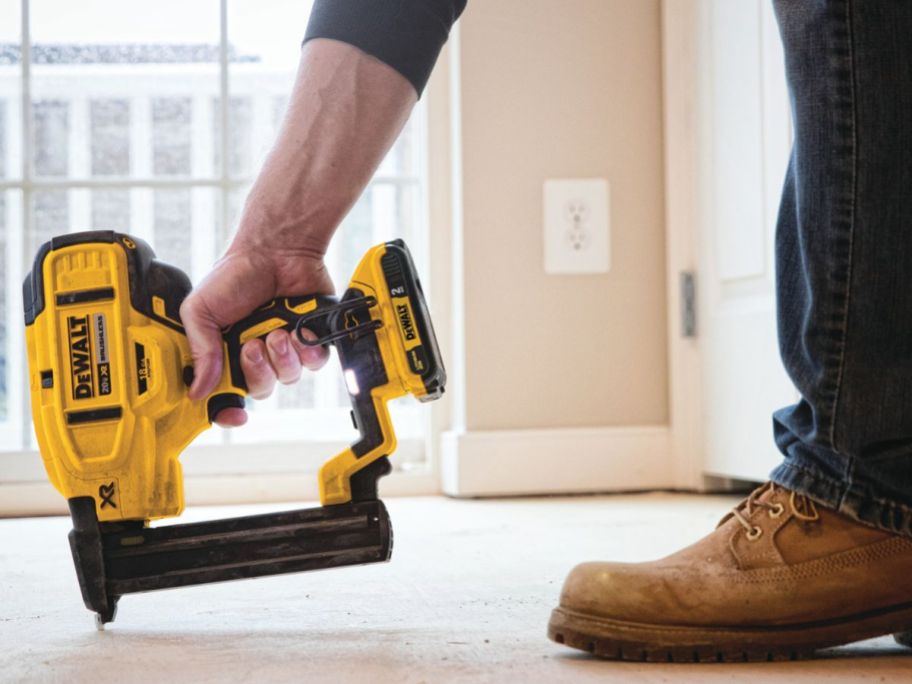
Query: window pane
[
  {"x": 385, "y": 211},
  {"x": 137, "y": 23},
  {"x": 171, "y": 136},
  {"x": 266, "y": 49},
  {"x": 10, "y": 89},
  {"x": 240, "y": 149},
  {"x": 110, "y": 125},
  {"x": 279, "y": 105},
  {"x": 403, "y": 159},
  {"x": 171, "y": 220},
  {"x": 173, "y": 225},
  {"x": 133, "y": 82},
  {"x": 236, "y": 198},
  {"x": 111, "y": 210},
  {"x": 353, "y": 238},
  {"x": 298, "y": 395},
  {"x": 51, "y": 136},
  {"x": 50, "y": 217}
]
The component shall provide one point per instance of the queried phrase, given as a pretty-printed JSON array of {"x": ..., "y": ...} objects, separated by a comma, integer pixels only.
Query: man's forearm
[{"x": 345, "y": 112}]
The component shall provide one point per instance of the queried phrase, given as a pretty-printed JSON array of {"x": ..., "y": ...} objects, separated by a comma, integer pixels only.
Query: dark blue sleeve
[{"x": 406, "y": 34}]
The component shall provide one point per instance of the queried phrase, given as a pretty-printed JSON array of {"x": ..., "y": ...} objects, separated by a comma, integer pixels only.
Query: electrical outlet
[{"x": 576, "y": 220}]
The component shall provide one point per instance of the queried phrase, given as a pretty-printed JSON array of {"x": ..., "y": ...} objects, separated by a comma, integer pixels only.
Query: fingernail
[
  {"x": 254, "y": 354},
  {"x": 281, "y": 344}
]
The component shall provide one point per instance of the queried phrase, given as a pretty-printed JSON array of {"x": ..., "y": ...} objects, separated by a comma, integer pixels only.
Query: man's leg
[
  {"x": 844, "y": 259},
  {"x": 822, "y": 555}
]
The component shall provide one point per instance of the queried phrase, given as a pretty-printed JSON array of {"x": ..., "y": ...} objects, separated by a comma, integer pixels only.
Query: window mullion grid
[{"x": 221, "y": 181}]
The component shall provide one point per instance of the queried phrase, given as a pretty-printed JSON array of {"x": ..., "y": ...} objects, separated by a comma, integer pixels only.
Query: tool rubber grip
[{"x": 282, "y": 313}]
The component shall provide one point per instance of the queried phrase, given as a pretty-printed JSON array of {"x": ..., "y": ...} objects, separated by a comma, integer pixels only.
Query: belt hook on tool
[{"x": 342, "y": 307}]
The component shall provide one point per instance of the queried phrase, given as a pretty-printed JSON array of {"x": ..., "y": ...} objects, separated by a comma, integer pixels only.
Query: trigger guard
[{"x": 219, "y": 402}]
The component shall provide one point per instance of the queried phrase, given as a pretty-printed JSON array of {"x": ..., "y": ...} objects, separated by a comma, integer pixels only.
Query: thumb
[{"x": 205, "y": 337}]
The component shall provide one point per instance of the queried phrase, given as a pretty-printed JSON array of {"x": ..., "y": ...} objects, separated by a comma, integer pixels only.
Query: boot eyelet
[
  {"x": 777, "y": 511},
  {"x": 754, "y": 534}
]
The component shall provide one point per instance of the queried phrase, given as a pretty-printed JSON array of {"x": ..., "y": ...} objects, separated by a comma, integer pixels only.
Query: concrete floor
[{"x": 465, "y": 599}]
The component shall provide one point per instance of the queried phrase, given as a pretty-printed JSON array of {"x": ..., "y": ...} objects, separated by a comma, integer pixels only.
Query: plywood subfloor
[{"x": 465, "y": 599}]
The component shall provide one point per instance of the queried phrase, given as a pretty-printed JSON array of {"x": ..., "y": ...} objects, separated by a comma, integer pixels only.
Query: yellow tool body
[
  {"x": 108, "y": 400},
  {"x": 110, "y": 366},
  {"x": 401, "y": 346},
  {"x": 109, "y": 373}
]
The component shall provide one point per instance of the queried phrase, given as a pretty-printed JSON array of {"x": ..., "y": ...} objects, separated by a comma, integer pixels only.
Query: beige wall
[{"x": 552, "y": 89}]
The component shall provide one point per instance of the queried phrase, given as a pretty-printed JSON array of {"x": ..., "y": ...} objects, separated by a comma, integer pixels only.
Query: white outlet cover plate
[{"x": 577, "y": 225}]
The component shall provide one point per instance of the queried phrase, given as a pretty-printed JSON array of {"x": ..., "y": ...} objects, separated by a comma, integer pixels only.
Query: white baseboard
[
  {"x": 472, "y": 464},
  {"x": 558, "y": 461}
]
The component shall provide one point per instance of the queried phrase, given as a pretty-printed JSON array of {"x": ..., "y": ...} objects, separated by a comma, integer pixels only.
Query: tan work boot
[{"x": 779, "y": 578}]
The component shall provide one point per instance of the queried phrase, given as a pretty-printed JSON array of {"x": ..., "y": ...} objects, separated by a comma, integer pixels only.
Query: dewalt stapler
[{"x": 109, "y": 370}]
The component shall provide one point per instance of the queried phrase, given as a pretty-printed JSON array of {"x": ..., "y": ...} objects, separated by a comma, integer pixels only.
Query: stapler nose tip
[{"x": 106, "y": 616}]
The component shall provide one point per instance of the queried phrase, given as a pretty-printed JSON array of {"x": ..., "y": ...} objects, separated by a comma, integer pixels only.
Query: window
[{"x": 152, "y": 119}]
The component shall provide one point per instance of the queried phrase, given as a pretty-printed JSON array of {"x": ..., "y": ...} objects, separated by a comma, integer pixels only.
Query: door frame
[
  {"x": 683, "y": 114},
  {"x": 688, "y": 91}
]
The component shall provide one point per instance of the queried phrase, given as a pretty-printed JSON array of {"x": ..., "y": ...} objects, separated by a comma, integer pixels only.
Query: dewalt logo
[
  {"x": 81, "y": 357},
  {"x": 405, "y": 320}
]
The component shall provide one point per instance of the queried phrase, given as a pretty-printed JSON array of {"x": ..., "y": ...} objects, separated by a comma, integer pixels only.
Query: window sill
[
  {"x": 226, "y": 474},
  {"x": 22, "y": 499}
]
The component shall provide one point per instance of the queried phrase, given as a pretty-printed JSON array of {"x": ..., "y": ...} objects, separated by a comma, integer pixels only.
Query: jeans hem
[{"x": 849, "y": 499}]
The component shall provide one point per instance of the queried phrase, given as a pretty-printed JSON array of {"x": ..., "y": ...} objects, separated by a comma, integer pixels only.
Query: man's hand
[
  {"x": 243, "y": 280},
  {"x": 345, "y": 111}
]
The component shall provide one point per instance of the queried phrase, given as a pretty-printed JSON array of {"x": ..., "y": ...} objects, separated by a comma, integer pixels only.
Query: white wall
[{"x": 550, "y": 90}]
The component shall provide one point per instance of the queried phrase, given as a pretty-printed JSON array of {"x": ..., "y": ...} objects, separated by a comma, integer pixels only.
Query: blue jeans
[{"x": 844, "y": 258}]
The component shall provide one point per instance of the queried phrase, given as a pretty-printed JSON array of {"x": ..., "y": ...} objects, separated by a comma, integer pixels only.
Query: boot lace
[{"x": 801, "y": 506}]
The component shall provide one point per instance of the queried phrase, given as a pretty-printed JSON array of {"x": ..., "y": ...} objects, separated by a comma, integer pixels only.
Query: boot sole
[{"x": 617, "y": 640}]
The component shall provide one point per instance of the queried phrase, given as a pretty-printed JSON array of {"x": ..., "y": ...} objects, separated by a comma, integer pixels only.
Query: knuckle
[
  {"x": 260, "y": 379},
  {"x": 189, "y": 306},
  {"x": 253, "y": 358},
  {"x": 279, "y": 344},
  {"x": 283, "y": 364}
]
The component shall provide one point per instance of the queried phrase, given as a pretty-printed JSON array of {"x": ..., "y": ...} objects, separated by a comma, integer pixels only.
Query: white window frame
[{"x": 221, "y": 470}]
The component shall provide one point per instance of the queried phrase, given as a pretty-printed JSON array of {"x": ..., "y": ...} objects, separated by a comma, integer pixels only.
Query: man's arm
[{"x": 346, "y": 109}]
